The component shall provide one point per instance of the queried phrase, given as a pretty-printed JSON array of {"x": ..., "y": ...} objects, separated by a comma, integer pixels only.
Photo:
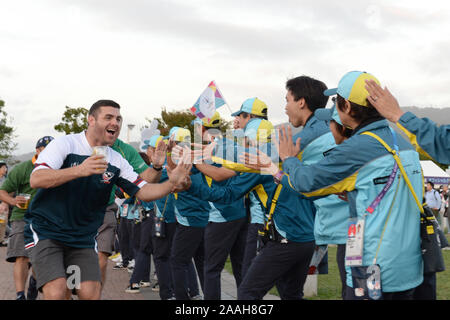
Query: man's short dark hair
[
  {"x": 431, "y": 183},
  {"x": 145, "y": 157},
  {"x": 2, "y": 163},
  {"x": 102, "y": 103},
  {"x": 309, "y": 89}
]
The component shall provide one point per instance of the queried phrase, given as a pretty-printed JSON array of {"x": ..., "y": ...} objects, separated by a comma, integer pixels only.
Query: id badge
[
  {"x": 355, "y": 242},
  {"x": 124, "y": 210},
  {"x": 374, "y": 282}
]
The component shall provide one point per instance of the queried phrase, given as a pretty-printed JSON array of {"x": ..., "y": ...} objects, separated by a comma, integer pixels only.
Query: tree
[
  {"x": 7, "y": 145},
  {"x": 74, "y": 120}
]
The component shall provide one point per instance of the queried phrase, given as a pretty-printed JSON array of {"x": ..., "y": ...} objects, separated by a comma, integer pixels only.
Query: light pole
[{"x": 130, "y": 127}]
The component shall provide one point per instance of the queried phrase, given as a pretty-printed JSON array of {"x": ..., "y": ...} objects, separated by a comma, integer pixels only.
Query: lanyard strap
[
  {"x": 164, "y": 209},
  {"x": 385, "y": 224},
  {"x": 390, "y": 181}
]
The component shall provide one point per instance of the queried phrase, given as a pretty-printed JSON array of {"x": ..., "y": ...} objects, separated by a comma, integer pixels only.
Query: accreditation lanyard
[
  {"x": 355, "y": 240},
  {"x": 388, "y": 184}
]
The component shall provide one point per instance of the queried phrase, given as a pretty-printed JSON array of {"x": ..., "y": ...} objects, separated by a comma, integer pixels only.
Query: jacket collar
[{"x": 371, "y": 124}]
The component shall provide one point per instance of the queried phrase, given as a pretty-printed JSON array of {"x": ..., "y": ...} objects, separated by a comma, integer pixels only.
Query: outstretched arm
[
  {"x": 237, "y": 188},
  {"x": 428, "y": 139},
  {"x": 50, "y": 178},
  {"x": 177, "y": 177},
  {"x": 215, "y": 173}
]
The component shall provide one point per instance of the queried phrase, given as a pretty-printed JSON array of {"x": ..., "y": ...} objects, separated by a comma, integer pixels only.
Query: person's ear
[
  {"x": 347, "y": 107},
  {"x": 301, "y": 103},
  {"x": 91, "y": 120}
]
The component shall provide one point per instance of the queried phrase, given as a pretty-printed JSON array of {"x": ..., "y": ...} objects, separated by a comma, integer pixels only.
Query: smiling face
[
  {"x": 3, "y": 170},
  {"x": 104, "y": 126}
]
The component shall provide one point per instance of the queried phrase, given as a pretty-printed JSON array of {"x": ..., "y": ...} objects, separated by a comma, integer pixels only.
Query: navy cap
[
  {"x": 44, "y": 141},
  {"x": 328, "y": 114}
]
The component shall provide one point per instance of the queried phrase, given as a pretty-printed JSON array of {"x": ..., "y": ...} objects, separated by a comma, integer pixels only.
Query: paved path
[{"x": 116, "y": 282}]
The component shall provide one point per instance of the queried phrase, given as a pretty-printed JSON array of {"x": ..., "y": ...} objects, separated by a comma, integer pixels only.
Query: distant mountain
[
  {"x": 18, "y": 159},
  {"x": 439, "y": 115}
]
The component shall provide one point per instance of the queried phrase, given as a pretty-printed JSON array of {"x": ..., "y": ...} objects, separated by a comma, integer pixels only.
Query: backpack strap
[{"x": 273, "y": 205}]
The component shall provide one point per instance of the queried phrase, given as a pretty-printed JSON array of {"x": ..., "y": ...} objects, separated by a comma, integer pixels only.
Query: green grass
[{"x": 329, "y": 285}]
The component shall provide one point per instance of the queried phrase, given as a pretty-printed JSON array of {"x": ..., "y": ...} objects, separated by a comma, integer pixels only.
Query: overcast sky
[{"x": 149, "y": 54}]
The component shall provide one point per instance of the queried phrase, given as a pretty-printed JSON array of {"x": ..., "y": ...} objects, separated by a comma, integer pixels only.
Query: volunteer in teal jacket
[{"x": 361, "y": 166}]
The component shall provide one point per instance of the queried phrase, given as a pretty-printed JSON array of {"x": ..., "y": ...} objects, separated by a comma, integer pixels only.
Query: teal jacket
[
  {"x": 429, "y": 139},
  {"x": 293, "y": 216},
  {"x": 225, "y": 212},
  {"x": 166, "y": 204},
  {"x": 332, "y": 213},
  {"x": 191, "y": 210},
  {"x": 360, "y": 166}
]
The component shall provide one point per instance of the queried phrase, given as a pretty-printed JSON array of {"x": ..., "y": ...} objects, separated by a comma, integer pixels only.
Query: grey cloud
[{"x": 187, "y": 24}]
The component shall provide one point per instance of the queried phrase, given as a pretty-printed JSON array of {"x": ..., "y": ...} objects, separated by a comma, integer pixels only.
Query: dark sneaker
[
  {"x": 133, "y": 288},
  {"x": 21, "y": 296},
  {"x": 32, "y": 292}
]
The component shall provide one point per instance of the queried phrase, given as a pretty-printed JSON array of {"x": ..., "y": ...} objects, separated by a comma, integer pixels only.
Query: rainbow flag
[{"x": 208, "y": 102}]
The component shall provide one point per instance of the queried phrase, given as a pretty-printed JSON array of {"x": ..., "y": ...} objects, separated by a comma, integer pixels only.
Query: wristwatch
[
  {"x": 157, "y": 169},
  {"x": 278, "y": 176}
]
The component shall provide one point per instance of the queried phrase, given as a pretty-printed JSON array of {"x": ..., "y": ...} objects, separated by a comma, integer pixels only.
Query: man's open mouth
[{"x": 111, "y": 132}]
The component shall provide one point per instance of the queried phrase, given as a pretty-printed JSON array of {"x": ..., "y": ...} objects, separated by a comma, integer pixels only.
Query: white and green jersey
[{"x": 72, "y": 212}]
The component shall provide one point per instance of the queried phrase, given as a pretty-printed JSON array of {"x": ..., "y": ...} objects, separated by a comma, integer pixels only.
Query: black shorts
[{"x": 52, "y": 260}]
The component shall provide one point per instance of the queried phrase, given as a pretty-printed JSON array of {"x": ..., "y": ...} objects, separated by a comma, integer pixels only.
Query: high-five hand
[
  {"x": 178, "y": 175},
  {"x": 260, "y": 162},
  {"x": 383, "y": 101},
  {"x": 159, "y": 156},
  {"x": 286, "y": 147}
]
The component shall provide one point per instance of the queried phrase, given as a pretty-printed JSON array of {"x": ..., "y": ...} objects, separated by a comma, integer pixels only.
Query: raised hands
[
  {"x": 200, "y": 153},
  {"x": 259, "y": 161},
  {"x": 286, "y": 147},
  {"x": 159, "y": 156},
  {"x": 178, "y": 175},
  {"x": 383, "y": 101}
]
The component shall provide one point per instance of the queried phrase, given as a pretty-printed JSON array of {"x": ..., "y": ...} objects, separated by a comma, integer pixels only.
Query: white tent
[{"x": 432, "y": 172}]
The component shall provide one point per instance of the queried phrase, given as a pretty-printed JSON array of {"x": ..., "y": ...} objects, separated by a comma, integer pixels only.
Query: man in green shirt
[
  {"x": 106, "y": 232},
  {"x": 18, "y": 182}
]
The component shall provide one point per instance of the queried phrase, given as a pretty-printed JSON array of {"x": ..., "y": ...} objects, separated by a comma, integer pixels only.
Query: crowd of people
[{"x": 269, "y": 200}]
